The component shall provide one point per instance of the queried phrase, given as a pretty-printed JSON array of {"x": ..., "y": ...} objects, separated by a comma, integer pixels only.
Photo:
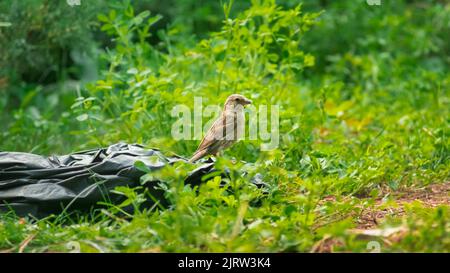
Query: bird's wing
[{"x": 209, "y": 137}]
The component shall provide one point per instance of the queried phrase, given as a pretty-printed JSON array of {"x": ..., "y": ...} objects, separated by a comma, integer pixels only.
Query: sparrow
[{"x": 224, "y": 131}]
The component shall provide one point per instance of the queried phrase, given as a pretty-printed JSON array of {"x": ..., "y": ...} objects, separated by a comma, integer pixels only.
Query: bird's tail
[{"x": 197, "y": 155}]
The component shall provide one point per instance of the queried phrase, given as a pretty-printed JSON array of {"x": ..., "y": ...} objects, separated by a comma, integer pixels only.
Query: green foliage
[
  {"x": 40, "y": 38},
  {"x": 46, "y": 48},
  {"x": 244, "y": 57},
  {"x": 364, "y": 101}
]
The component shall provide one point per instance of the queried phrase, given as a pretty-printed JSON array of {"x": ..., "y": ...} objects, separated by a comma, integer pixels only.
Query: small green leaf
[
  {"x": 288, "y": 210},
  {"x": 82, "y": 117},
  {"x": 141, "y": 166},
  {"x": 102, "y": 18},
  {"x": 5, "y": 24}
]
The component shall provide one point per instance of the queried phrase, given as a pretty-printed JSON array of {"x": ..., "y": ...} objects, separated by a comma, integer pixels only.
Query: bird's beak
[{"x": 247, "y": 101}]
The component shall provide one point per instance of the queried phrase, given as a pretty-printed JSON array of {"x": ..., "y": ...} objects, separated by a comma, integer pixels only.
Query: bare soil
[
  {"x": 431, "y": 196},
  {"x": 369, "y": 219}
]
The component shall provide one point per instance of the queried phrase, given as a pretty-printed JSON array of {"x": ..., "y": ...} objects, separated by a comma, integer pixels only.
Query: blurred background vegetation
[
  {"x": 50, "y": 50},
  {"x": 369, "y": 78},
  {"x": 363, "y": 94}
]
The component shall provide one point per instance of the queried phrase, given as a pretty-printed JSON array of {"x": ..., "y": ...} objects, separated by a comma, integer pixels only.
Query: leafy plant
[{"x": 363, "y": 96}]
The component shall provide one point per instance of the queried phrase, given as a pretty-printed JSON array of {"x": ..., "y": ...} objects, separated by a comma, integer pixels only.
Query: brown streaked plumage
[{"x": 218, "y": 136}]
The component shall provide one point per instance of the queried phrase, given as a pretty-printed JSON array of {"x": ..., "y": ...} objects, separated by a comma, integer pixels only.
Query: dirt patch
[
  {"x": 327, "y": 245},
  {"x": 431, "y": 196},
  {"x": 369, "y": 219}
]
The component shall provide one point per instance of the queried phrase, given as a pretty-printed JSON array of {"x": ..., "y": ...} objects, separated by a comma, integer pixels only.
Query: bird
[{"x": 223, "y": 132}]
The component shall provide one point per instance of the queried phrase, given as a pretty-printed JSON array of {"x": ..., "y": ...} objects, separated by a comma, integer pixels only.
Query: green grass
[{"x": 364, "y": 116}]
